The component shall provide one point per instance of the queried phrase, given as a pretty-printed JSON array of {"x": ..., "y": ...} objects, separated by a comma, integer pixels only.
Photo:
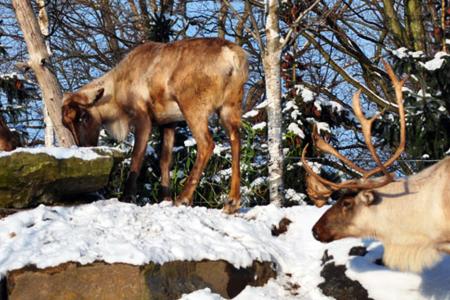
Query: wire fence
[{"x": 364, "y": 159}]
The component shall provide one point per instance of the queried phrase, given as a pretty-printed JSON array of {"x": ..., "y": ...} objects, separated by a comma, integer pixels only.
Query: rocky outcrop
[
  {"x": 121, "y": 281},
  {"x": 337, "y": 285},
  {"x": 30, "y": 177}
]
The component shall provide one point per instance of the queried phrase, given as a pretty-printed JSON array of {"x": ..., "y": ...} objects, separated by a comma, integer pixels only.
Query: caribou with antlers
[{"x": 410, "y": 216}]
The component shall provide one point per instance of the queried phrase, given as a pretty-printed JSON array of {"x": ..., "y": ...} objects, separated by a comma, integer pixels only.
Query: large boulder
[
  {"x": 48, "y": 175},
  {"x": 121, "y": 281}
]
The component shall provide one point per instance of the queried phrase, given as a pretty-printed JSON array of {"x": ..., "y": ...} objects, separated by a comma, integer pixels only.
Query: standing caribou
[
  {"x": 411, "y": 216},
  {"x": 161, "y": 84}
]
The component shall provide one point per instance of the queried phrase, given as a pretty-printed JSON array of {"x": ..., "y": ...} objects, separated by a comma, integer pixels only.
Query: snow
[
  {"x": 204, "y": 294},
  {"x": 189, "y": 142},
  {"x": 59, "y": 152},
  {"x": 292, "y": 195},
  {"x": 318, "y": 105},
  {"x": 151, "y": 151},
  {"x": 258, "y": 181},
  {"x": 315, "y": 166},
  {"x": 400, "y": 52},
  {"x": 219, "y": 148},
  {"x": 323, "y": 127},
  {"x": 262, "y": 104},
  {"x": 417, "y": 54},
  {"x": 8, "y": 76},
  {"x": 307, "y": 94},
  {"x": 294, "y": 128},
  {"x": 404, "y": 53},
  {"x": 259, "y": 126},
  {"x": 222, "y": 175},
  {"x": 336, "y": 106},
  {"x": 250, "y": 114},
  {"x": 290, "y": 105},
  {"x": 113, "y": 231},
  {"x": 436, "y": 62}
]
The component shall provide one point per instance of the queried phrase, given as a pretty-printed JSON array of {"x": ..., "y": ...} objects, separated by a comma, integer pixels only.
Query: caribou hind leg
[
  {"x": 231, "y": 120},
  {"x": 167, "y": 140},
  {"x": 198, "y": 123}
]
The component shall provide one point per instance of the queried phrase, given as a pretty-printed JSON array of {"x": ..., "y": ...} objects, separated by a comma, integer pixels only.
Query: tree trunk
[
  {"x": 271, "y": 61},
  {"x": 222, "y": 20},
  {"x": 107, "y": 17},
  {"x": 49, "y": 128},
  {"x": 415, "y": 22},
  {"x": 394, "y": 25},
  {"x": 39, "y": 61}
]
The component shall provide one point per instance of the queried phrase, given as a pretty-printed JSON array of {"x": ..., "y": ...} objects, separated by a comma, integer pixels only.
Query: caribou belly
[{"x": 168, "y": 112}]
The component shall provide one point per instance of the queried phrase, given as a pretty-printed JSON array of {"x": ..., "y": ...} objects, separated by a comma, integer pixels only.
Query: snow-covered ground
[
  {"x": 85, "y": 153},
  {"x": 118, "y": 232}
]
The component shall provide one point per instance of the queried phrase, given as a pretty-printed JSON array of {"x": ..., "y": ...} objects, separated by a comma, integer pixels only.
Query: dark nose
[{"x": 315, "y": 233}]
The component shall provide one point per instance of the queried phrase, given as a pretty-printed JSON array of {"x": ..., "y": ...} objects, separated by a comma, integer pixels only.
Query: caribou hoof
[
  {"x": 167, "y": 199},
  {"x": 183, "y": 201},
  {"x": 128, "y": 199},
  {"x": 231, "y": 206}
]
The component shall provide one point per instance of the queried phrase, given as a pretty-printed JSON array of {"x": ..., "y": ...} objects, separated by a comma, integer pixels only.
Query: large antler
[{"x": 319, "y": 188}]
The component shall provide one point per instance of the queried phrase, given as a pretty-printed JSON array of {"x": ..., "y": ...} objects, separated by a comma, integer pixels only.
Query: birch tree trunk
[
  {"x": 43, "y": 24},
  {"x": 271, "y": 61},
  {"x": 39, "y": 60}
]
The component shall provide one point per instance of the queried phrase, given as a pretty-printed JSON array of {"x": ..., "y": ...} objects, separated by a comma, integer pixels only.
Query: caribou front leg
[{"x": 143, "y": 128}]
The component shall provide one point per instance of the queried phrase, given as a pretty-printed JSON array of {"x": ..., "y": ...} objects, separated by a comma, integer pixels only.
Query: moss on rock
[{"x": 27, "y": 179}]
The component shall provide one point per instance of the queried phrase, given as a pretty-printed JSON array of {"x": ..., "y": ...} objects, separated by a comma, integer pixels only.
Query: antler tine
[
  {"x": 366, "y": 127},
  {"x": 325, "y": 147},
  {"x": 328, "y": 187},
  {"x": 398, "y": 85},
  {"x": 331, "y": 185},
  {"x": 310, "y": 171}
]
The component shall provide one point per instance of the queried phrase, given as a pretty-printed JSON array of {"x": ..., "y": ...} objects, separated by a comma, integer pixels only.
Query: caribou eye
[
  {"x": 83, "y": 118},
  {"x": 347, "y": 203}
]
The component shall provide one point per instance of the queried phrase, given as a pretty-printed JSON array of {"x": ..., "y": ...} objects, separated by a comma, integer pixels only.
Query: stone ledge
[
  {"x": 122, "y": 281},
  {"x": 31, "y": 178}
]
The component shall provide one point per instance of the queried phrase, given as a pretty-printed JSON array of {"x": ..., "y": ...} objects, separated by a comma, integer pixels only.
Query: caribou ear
[
  {"x": 366, "y": 197},
  {"x": 98, "y": 95},
  {"x": 69, "y": 112}
]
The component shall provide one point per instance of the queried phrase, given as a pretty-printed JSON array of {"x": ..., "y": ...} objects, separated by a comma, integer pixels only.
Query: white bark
[
  {"x": 43, "y": 25},
  {"x": 39, "y": 58},
  {"x": 271, "y": 61}
]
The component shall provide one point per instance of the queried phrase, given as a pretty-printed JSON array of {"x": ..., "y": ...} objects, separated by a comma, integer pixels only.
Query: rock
[
  {"x": 358, "y": 251},
  {"x": 283, "y": 226},
  {"x": 339, "y": 286},
  {"x": 173, "y": 279},
  {"x": 3, "y": 291},
  {"x": 29, "y": 177},
  {"x": 4, "y": 212},
  {"x": 121, "y": 281},
  {"x": 72, "y": 281},
  {"x": 326, "y": 257}
]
